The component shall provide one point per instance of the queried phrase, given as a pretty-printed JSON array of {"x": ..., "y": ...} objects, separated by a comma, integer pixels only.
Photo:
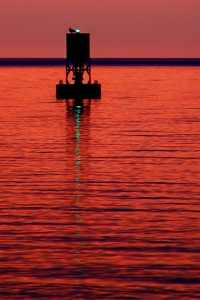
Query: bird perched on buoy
[{"x": 71, "y": 30}]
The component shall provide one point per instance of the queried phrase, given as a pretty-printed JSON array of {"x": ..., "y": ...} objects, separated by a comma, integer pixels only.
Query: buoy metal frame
[{"x": 78, "y": 70}]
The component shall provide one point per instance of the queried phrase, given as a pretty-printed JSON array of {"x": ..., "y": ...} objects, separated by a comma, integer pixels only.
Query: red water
[{"x": 100, "y": 202}]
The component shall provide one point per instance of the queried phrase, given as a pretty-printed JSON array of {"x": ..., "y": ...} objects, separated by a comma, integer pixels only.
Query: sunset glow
[{"x": 131, "y": 28}]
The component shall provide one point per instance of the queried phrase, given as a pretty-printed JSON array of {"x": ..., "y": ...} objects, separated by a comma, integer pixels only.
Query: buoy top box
[{"x": 78, "y": 47}]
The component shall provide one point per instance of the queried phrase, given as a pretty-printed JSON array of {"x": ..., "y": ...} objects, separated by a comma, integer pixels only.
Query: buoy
[{"x": 78, "y": 63}]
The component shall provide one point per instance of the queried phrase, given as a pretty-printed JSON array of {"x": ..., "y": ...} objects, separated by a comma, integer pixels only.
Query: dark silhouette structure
[{"x": 78, "y": 64}]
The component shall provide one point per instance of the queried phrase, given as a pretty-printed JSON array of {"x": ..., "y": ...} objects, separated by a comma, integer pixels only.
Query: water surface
[{"x": 100, "y": 202}]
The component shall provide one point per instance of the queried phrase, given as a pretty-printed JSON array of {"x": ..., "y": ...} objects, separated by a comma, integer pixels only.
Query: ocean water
[{"x": 100, "y": 201}]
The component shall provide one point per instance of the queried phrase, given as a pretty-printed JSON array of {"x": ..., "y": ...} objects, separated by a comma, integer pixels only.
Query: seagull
[{"x": 71, "y": 30}]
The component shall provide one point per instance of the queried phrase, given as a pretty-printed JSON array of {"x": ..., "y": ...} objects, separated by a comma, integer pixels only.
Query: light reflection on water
[{"x": 100, "y": 201}]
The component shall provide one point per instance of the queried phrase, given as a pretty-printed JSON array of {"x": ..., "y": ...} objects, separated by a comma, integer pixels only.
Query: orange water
[{"x": 100, "y": 202}]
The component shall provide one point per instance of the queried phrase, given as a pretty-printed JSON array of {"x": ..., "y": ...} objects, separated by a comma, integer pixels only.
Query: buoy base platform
[{"x": 83, "y": 91}]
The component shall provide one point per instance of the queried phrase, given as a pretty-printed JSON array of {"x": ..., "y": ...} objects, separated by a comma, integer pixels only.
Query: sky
[{"x": 118, "y": 28}]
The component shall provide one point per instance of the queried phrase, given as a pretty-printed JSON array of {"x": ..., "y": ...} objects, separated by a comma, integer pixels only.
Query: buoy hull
[{"x": 83, "y": 91}]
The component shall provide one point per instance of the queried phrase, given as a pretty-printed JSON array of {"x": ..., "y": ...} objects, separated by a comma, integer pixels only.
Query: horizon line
[{"x": 115, "y": 61}]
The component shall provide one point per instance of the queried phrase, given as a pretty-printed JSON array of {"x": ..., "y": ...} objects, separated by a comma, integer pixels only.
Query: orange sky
[{"x": 119, "y": 28}]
